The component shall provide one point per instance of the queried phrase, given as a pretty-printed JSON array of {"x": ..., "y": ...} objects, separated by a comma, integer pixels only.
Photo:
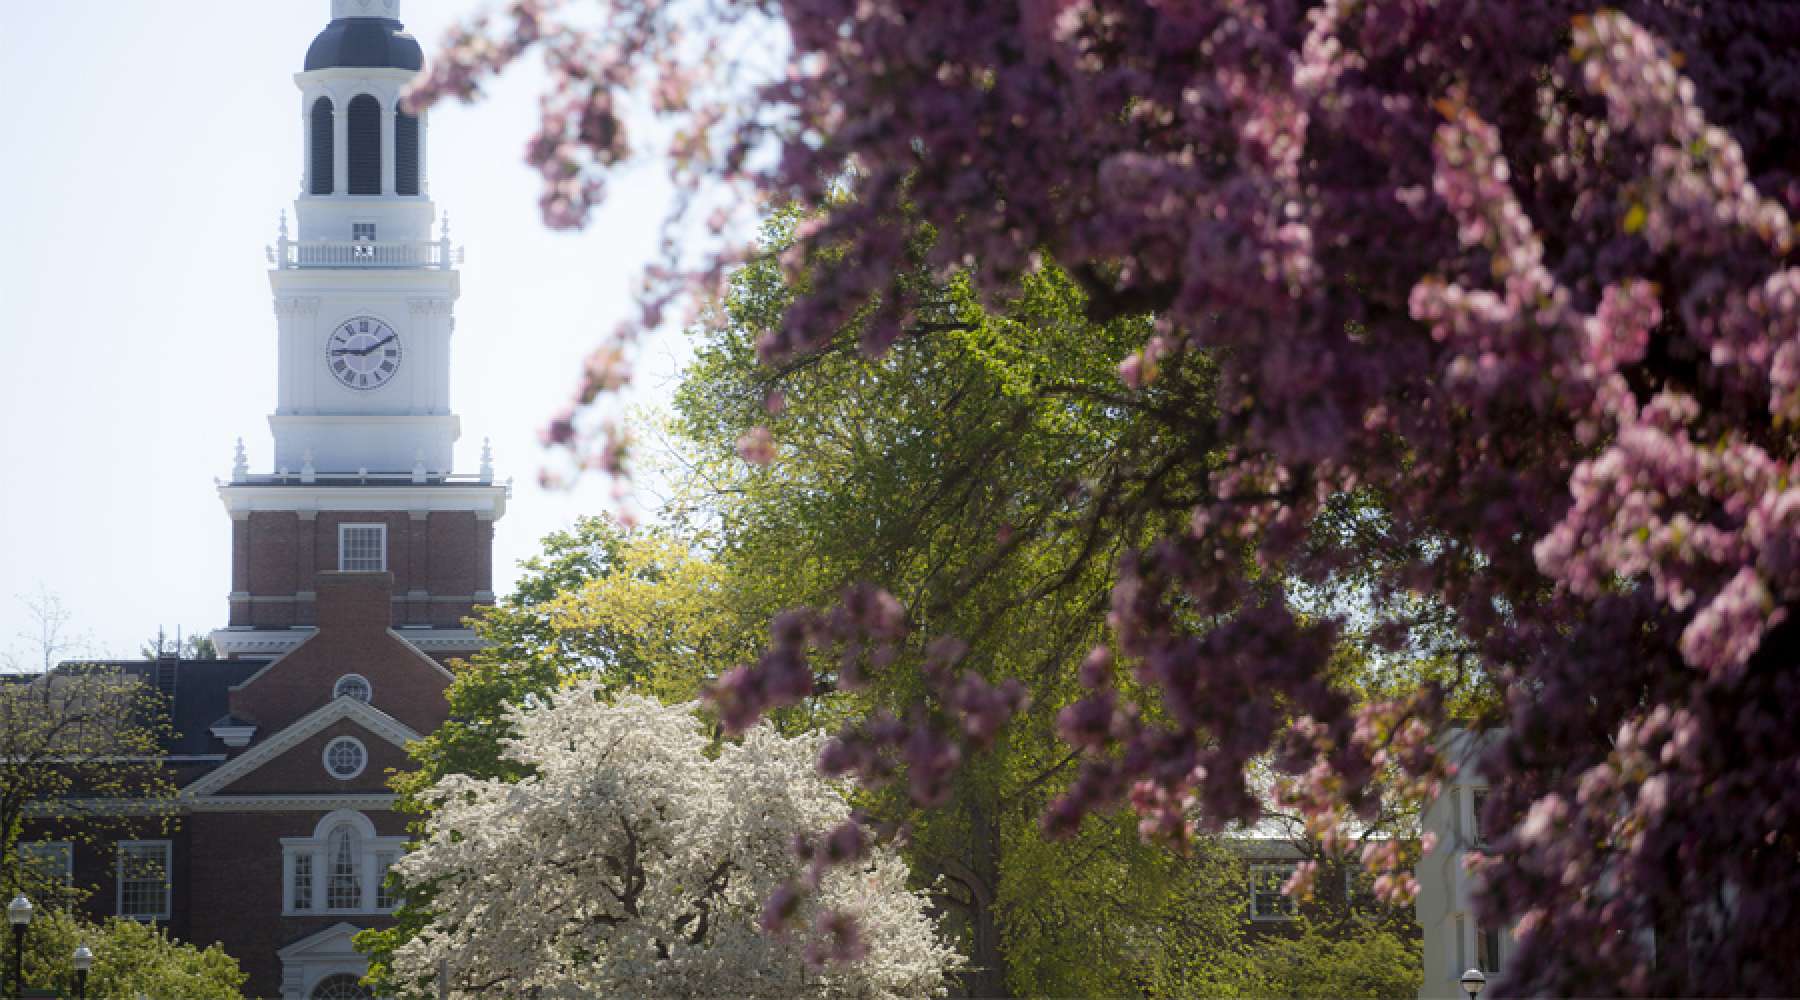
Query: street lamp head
[
  {"x": 1473, "y": 982},
  {"x": 84, "y": 959},
  {"x": 18, "y": 912}
]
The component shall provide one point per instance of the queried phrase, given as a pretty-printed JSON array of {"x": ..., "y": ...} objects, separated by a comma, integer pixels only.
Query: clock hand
[{"x": 371, "y": 348}]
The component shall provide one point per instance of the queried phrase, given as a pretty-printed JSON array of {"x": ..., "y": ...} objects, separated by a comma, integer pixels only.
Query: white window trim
[
  {"x": 168, "y": 851},
  {"x": 369, "y": 850},
  {"x": 68, "y": 854},
  {"x": 325, "y": 757},
  {"x": 344, "y": 530},
  {"x": 1286, "y": 868},
  {"x": 337, "y": 689}
]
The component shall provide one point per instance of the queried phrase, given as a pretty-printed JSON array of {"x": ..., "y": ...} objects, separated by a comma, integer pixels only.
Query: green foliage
[
  {"x": 194, "y": 647},
  {"x": 1368, "y": 963},
  {"x": 79, "y": 731},
  {"x": 960, "y": 471},
  {"x": 130, "y": 958}
]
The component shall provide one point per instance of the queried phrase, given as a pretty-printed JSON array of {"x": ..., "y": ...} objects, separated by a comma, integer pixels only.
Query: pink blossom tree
[{"x": 1517, "y": 275}]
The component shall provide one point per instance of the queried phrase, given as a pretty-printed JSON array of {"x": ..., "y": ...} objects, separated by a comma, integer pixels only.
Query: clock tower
[{"x": 365, "y": 282}]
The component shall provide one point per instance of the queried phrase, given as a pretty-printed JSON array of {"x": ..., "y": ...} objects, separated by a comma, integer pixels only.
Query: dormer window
[
  {"x": 352, "y": 686},
  {"x": 362, "y": 548}
]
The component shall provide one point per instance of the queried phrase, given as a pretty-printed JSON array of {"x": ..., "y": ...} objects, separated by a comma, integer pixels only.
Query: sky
[{"x": 152, "y": 145}]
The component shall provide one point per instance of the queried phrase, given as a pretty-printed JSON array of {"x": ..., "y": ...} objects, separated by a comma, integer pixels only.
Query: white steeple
[{"x": 363, "y": 293}]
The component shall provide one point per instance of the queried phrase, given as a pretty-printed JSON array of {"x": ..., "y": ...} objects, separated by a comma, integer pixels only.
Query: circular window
[
  {"x": 341, "y": 987},
  {"x": 352, "y": 686},
  {"x": 345, "y": 757}
]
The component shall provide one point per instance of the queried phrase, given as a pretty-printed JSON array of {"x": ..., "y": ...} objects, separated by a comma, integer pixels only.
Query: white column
[
  {"x": 340, "y": 150},
  {"x": 306, "y": 144},
  {"x": 388, "y": 168}
]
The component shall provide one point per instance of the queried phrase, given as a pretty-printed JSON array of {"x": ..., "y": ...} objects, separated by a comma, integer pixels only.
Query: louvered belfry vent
[
  {"x": 365, "y": 145},
  {"x": 324, "y": 155},
  {"x": 406, "y": 153}
]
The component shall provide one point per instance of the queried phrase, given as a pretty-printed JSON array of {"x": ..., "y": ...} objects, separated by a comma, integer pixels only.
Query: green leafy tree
[
  {"x": 71, "y": 733},
  {"x": 131, "y": 959},
  {"x": 191, "y": 647},
  {"x": 960, "y": 471}
]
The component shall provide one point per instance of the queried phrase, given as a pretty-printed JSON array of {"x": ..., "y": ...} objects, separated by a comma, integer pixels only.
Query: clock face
[{"x": 363, "y": 353}]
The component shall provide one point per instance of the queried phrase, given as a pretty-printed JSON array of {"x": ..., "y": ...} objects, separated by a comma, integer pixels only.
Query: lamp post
[
  {"x": 1473, "y": 982},
  {"x": 18, "y": 913},
  {"x": 84, "y": 960}
]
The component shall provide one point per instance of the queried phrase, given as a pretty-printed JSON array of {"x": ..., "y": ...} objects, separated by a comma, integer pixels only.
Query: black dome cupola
[{"x": 365, "y": 34}]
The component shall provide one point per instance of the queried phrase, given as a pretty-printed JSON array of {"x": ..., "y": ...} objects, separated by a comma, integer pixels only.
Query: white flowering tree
[{"x": 639, "y": 858}]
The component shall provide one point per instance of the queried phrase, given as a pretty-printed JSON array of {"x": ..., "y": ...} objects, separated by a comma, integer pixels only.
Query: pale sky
[{"x": 150, "y": 147}]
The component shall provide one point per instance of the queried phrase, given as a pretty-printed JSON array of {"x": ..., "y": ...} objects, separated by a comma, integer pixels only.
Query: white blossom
[{"x": 636, "y": 860}]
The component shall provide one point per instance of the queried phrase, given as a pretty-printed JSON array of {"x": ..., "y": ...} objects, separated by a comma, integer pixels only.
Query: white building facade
[{"x": 1453, "y": 941}]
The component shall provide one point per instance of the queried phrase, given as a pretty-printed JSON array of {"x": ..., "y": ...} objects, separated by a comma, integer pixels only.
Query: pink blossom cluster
[{"x": 1518, "y": 274}]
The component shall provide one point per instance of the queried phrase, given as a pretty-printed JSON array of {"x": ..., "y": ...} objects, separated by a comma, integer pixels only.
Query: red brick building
[{"x": 355, "y": 558}]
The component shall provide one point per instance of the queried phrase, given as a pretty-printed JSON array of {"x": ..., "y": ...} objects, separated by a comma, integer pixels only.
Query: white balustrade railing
[{"x": 363, "y": 253}]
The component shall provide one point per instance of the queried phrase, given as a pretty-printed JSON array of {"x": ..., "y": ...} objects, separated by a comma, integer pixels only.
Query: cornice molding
[
  {"x": 184, "y": 806},
  {"x": 291, "y": 803},
  {"x": 297, "y": 305},
  {"x": 263, "y": 642}
]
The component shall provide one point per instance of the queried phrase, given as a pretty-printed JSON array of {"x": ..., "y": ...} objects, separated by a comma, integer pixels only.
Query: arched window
[
  {"x": 343, "y": 884},
  {"x": 324, "y": 151},
  {"x": 406, "y": 153},
  {"x": 352, "y": 686},
  {"x": 365, "y": 145},
  {"x": 341, "y": 987},
  {"x": 341, "y": 868}
]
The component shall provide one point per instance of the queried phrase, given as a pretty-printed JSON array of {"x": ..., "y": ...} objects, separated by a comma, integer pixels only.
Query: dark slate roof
[
  {"x": 365, "y": 41},
  {"x": 201, "y": 696}
]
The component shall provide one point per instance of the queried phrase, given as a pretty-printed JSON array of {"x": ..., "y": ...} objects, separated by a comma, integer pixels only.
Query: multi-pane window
[
  {"x": 362, "y": 547},
  {"x": 1478, "y": 802},
  {"x": 1267, "y": 901},
  {"x": 49, "y": 860},
  {"x": 340, "y": 868},
  {"x": 385, "y": 896},
  {"x": 362, "y": 231},
  {"x": 1487, "y": 950},
  {"x": 143, "y": 876},
  {"x": 300, "y": 884},
  {"x": 343, "y": 889}
]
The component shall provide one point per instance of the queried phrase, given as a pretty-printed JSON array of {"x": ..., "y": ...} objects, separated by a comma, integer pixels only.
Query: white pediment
[{"x": 332, "y": 942}]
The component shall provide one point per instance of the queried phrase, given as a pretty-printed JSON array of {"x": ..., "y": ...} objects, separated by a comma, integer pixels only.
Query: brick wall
[
  {"x": 440, "y": 561},
  {"x": 353, "y": 637},
  {"x": 95, "y": 854},
  {"x": 302, "y": 768},
  {"x": 238, "y": 872}
]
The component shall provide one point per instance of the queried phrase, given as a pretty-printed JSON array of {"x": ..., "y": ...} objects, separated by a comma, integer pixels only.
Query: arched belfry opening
[
  {"x": 364, "y": 133},
  {"x": 406, "y": 153},
  {"x": 324, "y": 138}
]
